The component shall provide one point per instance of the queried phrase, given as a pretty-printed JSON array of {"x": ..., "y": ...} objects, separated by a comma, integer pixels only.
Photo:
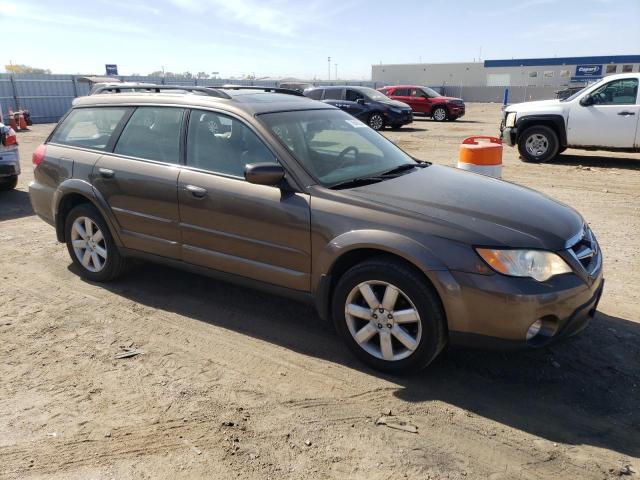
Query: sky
[{"x": 283, "y": 38}]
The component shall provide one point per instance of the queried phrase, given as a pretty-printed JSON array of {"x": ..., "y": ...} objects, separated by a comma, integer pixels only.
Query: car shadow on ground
[
  {"x": 598, "y": 161},
  {"x": 14, "y": 204},
  {"x": 583, "y": 390}
]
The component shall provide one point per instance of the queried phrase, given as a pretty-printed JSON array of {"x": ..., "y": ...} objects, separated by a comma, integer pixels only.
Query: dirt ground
[{"x": 234, "y": 383}]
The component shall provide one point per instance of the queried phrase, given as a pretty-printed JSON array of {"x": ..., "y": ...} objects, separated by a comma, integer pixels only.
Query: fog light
[{"x": 534, "y": 329}]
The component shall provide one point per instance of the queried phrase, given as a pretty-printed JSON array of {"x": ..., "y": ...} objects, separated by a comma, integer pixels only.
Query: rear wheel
[
  {"x": 376, "y": 121},
  {"x": 439, "y": 114},
  {"x": 91, "y": 245},
  {"x": 388, "y": 316},
  {"x": 8, "y": 183},
  {"x": 538, "y": 144}
]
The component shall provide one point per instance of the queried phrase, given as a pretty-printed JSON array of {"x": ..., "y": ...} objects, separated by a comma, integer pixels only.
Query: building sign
[
  {"x": 111, "y": 69},
  {"x": 588, "y": 71}
]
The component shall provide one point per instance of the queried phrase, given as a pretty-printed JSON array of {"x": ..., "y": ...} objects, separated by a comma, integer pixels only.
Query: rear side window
[
  {"x": 400, "y": 92},
  {"x": 89, "y": 127},
  {"x": 152, "y": 133},
  {"x": 315, "y": 94},
  {"x": 333, "y": 94}
]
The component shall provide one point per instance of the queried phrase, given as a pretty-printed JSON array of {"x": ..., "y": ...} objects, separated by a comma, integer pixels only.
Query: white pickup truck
[{"x": 602, "y": 116}]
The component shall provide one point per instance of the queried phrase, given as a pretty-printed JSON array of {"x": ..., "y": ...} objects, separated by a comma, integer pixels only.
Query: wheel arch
[
  {"x": 555, "y": 122},
  {"x": 74, "y": 192}
]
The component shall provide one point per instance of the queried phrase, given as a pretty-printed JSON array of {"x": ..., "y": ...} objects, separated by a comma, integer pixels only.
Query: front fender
[
  {"x": 77, "y": 186},
  {"x": 555, "y": 121}
]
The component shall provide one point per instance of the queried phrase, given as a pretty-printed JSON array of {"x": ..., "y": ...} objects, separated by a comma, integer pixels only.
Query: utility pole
[
  {"x": 336, "y": 75},
  {"x": 329, "y": 71}
]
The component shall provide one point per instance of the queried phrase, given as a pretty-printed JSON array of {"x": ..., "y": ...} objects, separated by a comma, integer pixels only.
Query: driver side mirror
[
  {"x": 264, "y": 173},
  {"x": 360, "y": 101},
  {"x": 587, "y": 101}
]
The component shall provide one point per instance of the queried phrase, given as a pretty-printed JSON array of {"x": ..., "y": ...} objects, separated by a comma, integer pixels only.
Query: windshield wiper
[
  {"x": 356, "y": 182},
  {"x": 402, "y": 168}
]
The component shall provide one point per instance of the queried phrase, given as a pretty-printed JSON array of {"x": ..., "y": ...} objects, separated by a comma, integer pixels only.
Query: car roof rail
[
  {"x": 286, "y": 91},
  {"x": 146, "y": 88}
]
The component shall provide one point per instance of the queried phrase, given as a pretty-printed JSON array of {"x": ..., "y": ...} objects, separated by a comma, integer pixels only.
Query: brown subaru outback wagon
[{"x": 282, "y": 192}]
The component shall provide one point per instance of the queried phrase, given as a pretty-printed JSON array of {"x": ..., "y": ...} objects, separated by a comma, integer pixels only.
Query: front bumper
[
  {"x": 497, "y": 310},
  {"x": 9, "y": 162},
  {"x": 508, "y": 135},
  {"x": 403, "y": 118},
  {"x": 456, "y": 111}
]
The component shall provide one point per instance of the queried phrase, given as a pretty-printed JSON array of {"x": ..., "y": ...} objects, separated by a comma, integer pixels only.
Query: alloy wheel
[
  {"x": 89, "y": 244},
  {"x": 383, "y": 320},
  {"x": 439, "y": 114},
  {"x": 376, "y": 122},
  {"x": 537, "y": 145}
]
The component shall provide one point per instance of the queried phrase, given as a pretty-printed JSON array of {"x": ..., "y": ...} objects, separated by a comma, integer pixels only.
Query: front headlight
[
  {"x": 510, "y": 121},
  {"x": 537, "y": 264}
]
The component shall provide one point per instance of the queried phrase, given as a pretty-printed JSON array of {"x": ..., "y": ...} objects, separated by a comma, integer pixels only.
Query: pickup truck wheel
[
  {"x": 8, "y": 183},
  {"x": 439, "y": 114},
  {"x": 389, "y": 316},
  {"x": 538, "y": 144},
  {"x": 91, "y": 245},
  {"x": 376, "y": 121}
]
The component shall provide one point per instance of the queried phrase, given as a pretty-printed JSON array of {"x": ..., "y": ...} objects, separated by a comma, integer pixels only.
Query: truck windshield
[
  {"x": 579, "y": 92},
  {"x": 336, "y": 148}
]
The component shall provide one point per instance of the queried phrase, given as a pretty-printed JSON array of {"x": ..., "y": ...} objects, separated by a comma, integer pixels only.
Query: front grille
[
  {"x": 586, "y": 251},
  {"x": 7, "y": 170}
]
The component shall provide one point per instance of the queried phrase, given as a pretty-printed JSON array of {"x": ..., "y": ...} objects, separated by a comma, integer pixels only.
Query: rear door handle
[
  {"x": 197, "y": 192},
  {"x": 106, "y": 172},
  {"x": 627, "y": 113}
]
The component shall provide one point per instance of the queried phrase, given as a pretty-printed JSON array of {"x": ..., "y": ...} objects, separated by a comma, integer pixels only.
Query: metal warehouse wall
[
  {"x": 48, "y": 97},
  {"x": 495, "y": 94}
]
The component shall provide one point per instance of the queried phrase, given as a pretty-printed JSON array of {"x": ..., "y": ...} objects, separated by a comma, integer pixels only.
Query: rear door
[
  {"x": 612, "y": 121},
  {"x": 139, "y": 180},
  {"x": 228, "y": 224}
]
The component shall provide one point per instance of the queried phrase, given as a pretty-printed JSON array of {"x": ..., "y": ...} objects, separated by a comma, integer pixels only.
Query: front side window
[
  {"x": 617, "y": 92},
  {"x": 152, "y": 133},
  {"x": 333, "y": 146},
  {"x": 221, "y": 144},
  {"x": 89, "y": 127},
  {"x": 353, "y": 95},
  {"x": 417, "y": 92}
]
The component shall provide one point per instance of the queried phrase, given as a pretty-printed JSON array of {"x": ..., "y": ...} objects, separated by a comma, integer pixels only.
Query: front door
[
  {"x": 228, "y": 224},
  {"x": 419, "y": 101},
  {"x": 611, "y": 121},
  {"x": 139, "y": 180}
]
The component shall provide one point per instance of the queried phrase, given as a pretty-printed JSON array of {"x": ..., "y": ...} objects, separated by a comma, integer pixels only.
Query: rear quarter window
[{"x": 89, "y": 127}]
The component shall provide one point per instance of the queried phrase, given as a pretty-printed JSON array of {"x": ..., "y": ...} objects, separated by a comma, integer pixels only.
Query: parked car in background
[
  {"x": 299, "y": 198},
  {"x": 297, "y": 86},
  {"x": 366, "y": 104},
  {"x": 9, "y": 158},
  {"x": 426, "y": 101},
  {"x": 601, "y": 116}
]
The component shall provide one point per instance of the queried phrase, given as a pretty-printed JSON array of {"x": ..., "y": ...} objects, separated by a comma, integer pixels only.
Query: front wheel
[
  {"x": 439, "y": 114},
  {"x": 91, "y": 245},
  {"x": 538, "y": 144},
  {"x": 376, "y": 121},
  {"x": 388, "y": 316}
]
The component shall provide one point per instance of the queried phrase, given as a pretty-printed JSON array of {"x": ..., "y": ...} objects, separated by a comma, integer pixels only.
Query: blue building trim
[{"x": 533, "y": 62}]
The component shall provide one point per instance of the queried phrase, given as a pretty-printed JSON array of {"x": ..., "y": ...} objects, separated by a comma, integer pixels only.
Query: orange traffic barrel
[
  {"x": 482, "y": 155},
  {"x": 22, "y": 123}
]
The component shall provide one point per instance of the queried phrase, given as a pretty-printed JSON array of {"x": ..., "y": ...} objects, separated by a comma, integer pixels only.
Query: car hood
[
  {"x": 475, "y": 209},
  {"x": 394, "y": 103},
  {"x": 537, "y": 106},
  {"x": 449, "y": 99}
]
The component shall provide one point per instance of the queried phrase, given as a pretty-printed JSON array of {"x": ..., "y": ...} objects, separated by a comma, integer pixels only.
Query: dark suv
[
  {"x": 426, "y": 101},
  {"x": 295, "y": 196},
  {"x": 366, "y": 104}
]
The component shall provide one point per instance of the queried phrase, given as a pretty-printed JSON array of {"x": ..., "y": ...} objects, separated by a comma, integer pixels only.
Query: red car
[{"x": 425, "y": 101}]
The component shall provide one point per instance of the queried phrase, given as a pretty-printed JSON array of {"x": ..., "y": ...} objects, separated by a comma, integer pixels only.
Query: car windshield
[
  {"x": 579, "y": 92},
  {"x": 334, "y": 147},
  {"x": 430, "y": 92},
  {"x": 372, "y": 94}
]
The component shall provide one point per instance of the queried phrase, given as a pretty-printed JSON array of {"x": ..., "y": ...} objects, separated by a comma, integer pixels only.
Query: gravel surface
[{"x": 233, "y": 383}]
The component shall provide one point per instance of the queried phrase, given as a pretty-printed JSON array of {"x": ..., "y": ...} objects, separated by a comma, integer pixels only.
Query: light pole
[
  {"x": 329, "y": 71},
  {"x": 336, "y": 75}
]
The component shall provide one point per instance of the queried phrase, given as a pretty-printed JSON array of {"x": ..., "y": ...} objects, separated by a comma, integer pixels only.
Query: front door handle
[
  {"x": 625, "y": 113},
  {"x": 106, "y": 172},
  {"x": 197, "y": 192}
]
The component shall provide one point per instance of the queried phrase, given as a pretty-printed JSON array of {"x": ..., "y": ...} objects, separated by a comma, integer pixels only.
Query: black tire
[
  {"x": 376, "y": 121},
  {"x": 8, "y": 183},
  {"x": 413, "y": 286},
  {"x": 115, "y": 262},
  {"x": 544, "y": 134},
  {"x": 439, "y": 114}
]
